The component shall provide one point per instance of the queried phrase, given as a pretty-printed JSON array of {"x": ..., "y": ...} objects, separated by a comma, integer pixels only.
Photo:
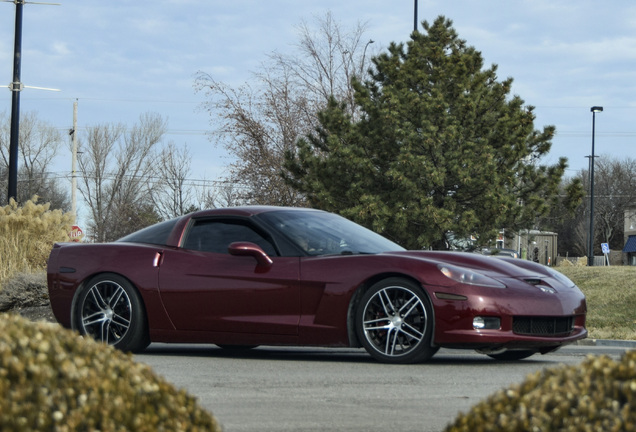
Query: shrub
[
  {"x": 27, "y": 234},
  {"x": 597, "y": 396},
  {"x": 53, "y": 379}
]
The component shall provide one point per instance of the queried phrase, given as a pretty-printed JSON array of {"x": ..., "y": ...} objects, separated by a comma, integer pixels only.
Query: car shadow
[{"x": 336, "y": 355}]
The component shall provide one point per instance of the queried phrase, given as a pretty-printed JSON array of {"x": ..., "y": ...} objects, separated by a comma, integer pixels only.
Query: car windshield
[{"x": 322, "y": 233}]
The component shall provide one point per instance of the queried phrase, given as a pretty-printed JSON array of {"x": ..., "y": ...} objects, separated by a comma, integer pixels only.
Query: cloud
[{"x": 60, "y": 49}]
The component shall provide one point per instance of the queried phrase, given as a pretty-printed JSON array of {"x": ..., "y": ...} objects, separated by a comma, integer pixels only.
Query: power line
[
  {"x": 604, "y": 134},
  {"x": 168, "y": 131},
  {"x": 66, "y": 175}
]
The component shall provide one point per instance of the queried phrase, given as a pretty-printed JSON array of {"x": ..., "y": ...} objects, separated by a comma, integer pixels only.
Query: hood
[{"x": 499, "y": 268}]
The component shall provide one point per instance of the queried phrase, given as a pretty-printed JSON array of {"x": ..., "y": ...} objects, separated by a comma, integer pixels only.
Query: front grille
[{"x": 543, "y": 326}]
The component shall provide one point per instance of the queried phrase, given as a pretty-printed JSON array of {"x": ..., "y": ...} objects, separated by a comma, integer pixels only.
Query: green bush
[
  {"x": 52, "y": 379},
  {"x": 597, "y": 396}
]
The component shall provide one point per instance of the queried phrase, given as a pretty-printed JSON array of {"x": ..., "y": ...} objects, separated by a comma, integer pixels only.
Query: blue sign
[{"x": 605, "y": 248}]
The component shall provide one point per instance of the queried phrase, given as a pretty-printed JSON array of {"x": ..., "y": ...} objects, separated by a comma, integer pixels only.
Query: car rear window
[{"x": 154, "y": 234}]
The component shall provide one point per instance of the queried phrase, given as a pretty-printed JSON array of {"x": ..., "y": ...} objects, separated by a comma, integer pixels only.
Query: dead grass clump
[{"x": 27, "y": 234}]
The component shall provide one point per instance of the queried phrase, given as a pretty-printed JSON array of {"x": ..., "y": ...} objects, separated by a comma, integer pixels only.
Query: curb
[{"x": 607, "y": 342}]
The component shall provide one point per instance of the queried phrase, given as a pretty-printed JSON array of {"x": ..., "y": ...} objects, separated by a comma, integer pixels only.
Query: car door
[{"x": 205, "y": 288}]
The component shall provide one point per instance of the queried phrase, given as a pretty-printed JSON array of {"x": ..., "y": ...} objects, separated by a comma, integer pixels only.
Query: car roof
[{"x": 246, "y": 211}]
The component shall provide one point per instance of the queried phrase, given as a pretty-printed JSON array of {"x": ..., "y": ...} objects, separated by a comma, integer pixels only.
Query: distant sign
[
  {"x": 605, "y": 248},
  {"x": 76, "y": 234}
]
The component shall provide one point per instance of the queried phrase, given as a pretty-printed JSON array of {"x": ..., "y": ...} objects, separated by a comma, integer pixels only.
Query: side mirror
[{"x": 250, "y": 249}]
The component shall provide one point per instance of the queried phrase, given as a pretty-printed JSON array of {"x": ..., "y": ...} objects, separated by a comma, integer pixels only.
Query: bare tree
[
  {"x": 38, "y": 144},
  {"x": 225, "y": 194},
  {"x": 614, "y": 192},
  {"x": 328, "y": 59},
  {"x": 259, "y": 123},
  {"x": 117, "y": 167},
  {"x": 171, "y": 194},
  {"x": 94, "y": 165}
]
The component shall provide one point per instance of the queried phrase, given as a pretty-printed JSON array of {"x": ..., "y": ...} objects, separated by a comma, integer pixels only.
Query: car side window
[{"x": 215, "y": 236}]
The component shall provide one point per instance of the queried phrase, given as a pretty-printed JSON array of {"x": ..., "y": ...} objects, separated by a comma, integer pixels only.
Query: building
[
  {"x": 629, "y": 250},
  {"x": 533, "y": 245}
]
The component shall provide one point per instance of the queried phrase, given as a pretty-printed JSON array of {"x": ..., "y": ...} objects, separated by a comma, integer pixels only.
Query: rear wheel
[
  {"x": 394, "y": 322},
  {"x": 110, "y": 310}
]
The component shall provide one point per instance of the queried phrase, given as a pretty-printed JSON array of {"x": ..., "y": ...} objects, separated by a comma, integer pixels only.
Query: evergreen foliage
[
  {"x": 52, "y": 379},
  {"x": 441, "y": 149},
  {"x": 596, "y": 396}
]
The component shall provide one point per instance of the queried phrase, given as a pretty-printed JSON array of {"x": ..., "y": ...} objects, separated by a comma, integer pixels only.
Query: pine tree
[{"x": 441, "y": 149}]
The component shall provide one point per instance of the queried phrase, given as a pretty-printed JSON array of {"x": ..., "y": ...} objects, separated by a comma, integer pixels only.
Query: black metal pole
[
  {"x": 16, "y": 86},
  {"x": 590, "y": 247},
  {"x": 415, "y": 15}
]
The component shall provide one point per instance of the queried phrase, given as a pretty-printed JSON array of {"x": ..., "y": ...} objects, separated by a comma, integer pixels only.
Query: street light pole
[
  {"x": 590, "y": 246},
  {"x": 16, "y": 87},
  {"x": 415, "y": 15}
]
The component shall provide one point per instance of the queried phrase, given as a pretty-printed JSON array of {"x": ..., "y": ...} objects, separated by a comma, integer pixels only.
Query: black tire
[
  {"x": 394, "y": 322},
  {"x": 109, "y": 309},
  {"x": 512, "y": 355}
]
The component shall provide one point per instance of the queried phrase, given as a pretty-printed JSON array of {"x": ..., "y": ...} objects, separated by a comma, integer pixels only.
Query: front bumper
[{"x": 529, "y": 318}]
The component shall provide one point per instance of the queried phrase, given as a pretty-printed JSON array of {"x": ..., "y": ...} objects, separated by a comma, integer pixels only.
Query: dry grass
[
  {"x": 611, "y": 299},
  {"x": 27, "y": 234}
]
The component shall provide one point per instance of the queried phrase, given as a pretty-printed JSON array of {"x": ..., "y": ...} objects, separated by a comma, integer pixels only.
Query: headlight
[{"x": 469, "y": 277}]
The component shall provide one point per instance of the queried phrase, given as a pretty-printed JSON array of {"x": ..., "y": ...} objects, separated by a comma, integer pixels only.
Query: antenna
[{"x": 16, "y": 87}]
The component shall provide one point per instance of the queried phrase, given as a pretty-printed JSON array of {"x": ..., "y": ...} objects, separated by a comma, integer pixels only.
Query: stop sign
[{"x": 76, "y": 233}]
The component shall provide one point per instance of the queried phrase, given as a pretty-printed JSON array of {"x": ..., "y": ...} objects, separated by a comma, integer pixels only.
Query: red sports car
[{"x": 248, "y": 276}]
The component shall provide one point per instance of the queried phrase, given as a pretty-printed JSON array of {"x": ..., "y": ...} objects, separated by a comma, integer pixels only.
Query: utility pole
[{"x": 74, "y": 163}]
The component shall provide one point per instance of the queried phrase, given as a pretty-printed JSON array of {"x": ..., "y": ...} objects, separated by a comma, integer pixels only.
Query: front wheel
[
  {"x": 394, "y": 322},
  {"x": 110, "y": 310}
]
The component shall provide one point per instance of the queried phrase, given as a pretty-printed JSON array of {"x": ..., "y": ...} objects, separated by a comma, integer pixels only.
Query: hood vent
[
  {"x": 533, "y": 281},
  {"x": 537, "y": 282}
]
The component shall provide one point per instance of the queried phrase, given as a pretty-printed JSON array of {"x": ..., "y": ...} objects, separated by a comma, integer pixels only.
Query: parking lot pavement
[{"x": 607, "y": 343}]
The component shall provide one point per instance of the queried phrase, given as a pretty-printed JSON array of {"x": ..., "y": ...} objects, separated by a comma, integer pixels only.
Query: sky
[{"x": 121, "y": 59}]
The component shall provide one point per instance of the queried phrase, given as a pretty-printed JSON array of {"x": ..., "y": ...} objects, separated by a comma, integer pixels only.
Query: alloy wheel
[
  {"x": 106, "y": 312},
  {"x": 394, "y": 321}
]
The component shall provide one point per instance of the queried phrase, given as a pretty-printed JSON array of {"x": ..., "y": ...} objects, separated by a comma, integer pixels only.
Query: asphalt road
[{"x": 316, "y": 389}]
